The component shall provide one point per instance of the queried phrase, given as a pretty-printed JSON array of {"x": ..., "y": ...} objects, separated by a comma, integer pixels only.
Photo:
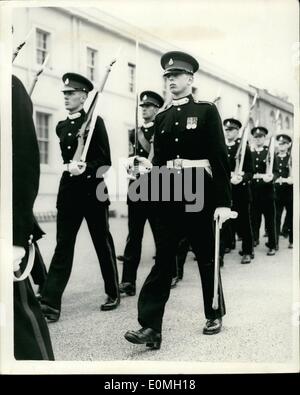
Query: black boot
[
  {"x": 174, "y": 282},
  {"x": 146, "y": 336},
  {"x": 127, "y": 288},
  {"x": 242, "y": 254},
  {"x": 212, "y": 326},
  {"x": 246, "y": 259},
  {"x": 50, "y": 313},
  {"x": 110, "y": 304}
]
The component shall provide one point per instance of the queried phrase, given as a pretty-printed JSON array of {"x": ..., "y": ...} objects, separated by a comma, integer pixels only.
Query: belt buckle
[{"x": 177, "y": 164}]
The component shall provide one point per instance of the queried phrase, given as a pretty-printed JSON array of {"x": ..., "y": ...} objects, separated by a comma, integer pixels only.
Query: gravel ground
[{"x": 257, "y": 327}]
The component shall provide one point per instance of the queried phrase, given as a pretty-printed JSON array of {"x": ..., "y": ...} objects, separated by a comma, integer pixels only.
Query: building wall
[{"x": 70, "y": 35}]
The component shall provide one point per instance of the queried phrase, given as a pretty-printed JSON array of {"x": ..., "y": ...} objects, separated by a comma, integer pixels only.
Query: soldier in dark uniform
[
  {"x": 139, "y": 212},
  {"x": 284, "y": 185},
  {"x": 31, "y": 335},
  {"x": 77, "y": 200},
  {"x": 187, "y": 134},
  {"x": 263, "y": 190},
  {"x": 241, "y": 194}
]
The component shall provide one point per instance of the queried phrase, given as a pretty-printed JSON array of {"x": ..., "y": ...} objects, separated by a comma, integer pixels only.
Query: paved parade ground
[{"x": 257, "y": 327}]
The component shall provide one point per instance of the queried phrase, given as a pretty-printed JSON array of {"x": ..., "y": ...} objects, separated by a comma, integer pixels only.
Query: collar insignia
[
  {"x": 75, "y": 115},
  {"x": 180, "y": 102}
]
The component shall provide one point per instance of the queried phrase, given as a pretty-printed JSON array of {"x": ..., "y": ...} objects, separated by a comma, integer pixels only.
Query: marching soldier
[
  {"x": 31, "y": 335},
  {"x": 139, "y": 212},
  {"x": 188, "y": 137},
  {"x": 241, "y": 194},
  {"x": 263, "y": 190},
  {"x": 284, "y": 185},
  {"x": 77, "y": 200}
]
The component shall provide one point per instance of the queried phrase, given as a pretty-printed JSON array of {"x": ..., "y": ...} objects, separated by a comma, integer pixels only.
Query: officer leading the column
[{"x": 187, "y": 134}]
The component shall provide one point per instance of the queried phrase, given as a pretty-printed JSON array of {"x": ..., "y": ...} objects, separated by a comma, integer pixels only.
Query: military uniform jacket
[
  {"x": 144, "y": 139},
  {"x": 243, "y": 189},
  {"x": 26, "y": 164},
  {"x": 98, "y": 155},
  {"x": 283, "y": 191},
  {"x": 261, "y": 189},
  {"x": 194, "y": 131}
]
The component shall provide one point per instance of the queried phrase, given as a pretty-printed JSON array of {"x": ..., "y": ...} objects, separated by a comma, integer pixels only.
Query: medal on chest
[{"x": 191, "y": 122}]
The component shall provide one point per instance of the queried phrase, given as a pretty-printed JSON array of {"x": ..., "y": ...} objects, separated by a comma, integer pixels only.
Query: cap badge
[
  {"x": 171, "y": 62},
  {"x": 67, "y": 81},
  {"x": 145, "y": 98},
  {"x": 228, "y": 123}
]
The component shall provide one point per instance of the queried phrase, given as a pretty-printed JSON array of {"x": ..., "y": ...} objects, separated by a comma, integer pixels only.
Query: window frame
[
  {"x": 88, "y": 65},
  {"x": 44, "y": 111},
  {"x": 49, "y": 45},
  {"x": 131, "y": 66}
]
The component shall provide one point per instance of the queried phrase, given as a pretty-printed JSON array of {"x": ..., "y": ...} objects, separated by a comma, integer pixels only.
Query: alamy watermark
[{"x": 160, "y": 184}]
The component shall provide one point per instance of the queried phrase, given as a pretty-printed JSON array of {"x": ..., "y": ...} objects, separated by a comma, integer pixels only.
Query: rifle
[
  {"x": 218, "y": 97},
  {"x": 88, "y": 126},
  {"x": 271, "y": 148},
  {"x": 39, "y": 72},
  {"x": 136, "y": 129},
  {"x": 241, "y": 151},
  {"x": 20, "y": 46}
]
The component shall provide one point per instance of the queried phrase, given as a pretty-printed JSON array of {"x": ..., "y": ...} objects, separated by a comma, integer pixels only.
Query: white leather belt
[
  {"x": 65, "y": 167},
  {"x": 188, "y": 163}
]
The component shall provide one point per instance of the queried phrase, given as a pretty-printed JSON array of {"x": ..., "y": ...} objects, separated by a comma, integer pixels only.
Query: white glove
[
  {"x": 77, "y": 168},
  {"x": 267, "y": 177},
  {"x": 236, "y": 179},
  {"x": 224, "y": 213},
  {"x": 18, "y": 255},
  {"x": 289, "y": 180},
  {"x": 279, "y": 180},
  {"x": 144, "y": 166}
]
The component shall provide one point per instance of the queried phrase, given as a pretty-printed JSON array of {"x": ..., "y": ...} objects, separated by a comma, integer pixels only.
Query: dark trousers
[
  {"x": 31, "y": 335},
  {"x": 242, "y": 224},
  {"x": 181, "y": 254},
  {"x": 173, "y": 223},
  {"x": 284, "y": 201},
  {"x": 39, "y": 271},
  {"x": 138, "y": 214},
  {"x": 265, "y": 207},
  {"x": 68, "y": 224}
]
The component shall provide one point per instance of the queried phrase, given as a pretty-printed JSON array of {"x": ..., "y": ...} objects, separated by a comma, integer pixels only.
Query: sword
[
  {"x": 39, "y": 72},
  {"x": 20, "y": 46},
  {"x": 215, "y": 303}
]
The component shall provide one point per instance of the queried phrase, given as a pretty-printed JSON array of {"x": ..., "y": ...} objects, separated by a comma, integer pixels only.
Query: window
[
  {"x": 42, "y": 131},
  {"x": 280, "y": 122},
  {"x": 272, "y": 117},
  {"x": 131, "y": 70},
  {"x": 287, "y": 123},
  {"x": 91, "y": 63},
  {"x": 42, "y": 45}
]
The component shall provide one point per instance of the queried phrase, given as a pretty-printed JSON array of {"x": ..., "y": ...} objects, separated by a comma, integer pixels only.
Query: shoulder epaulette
[
  {"x": 164, "y": 110},
  {"x": 203, "y": 102}
]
